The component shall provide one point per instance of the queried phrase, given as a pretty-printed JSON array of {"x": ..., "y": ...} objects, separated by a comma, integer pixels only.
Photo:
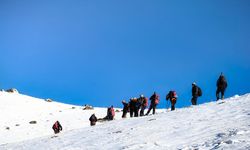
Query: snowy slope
[
  {"x": 17, "y": 110},
  {"x": 217, "y": 125}
]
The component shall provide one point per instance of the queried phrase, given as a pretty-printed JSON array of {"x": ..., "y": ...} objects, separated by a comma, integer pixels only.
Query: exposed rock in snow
[
  {"x": 223, "y": 124},
  {"x": 12, "y": 90}
]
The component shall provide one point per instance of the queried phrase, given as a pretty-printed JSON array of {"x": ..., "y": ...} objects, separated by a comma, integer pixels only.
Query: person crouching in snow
[
  {"x": 57, "y": 127},
  {"x": 172, "y": 96},
  {"x": 93, "y": 120},
  {"x": 110, "y": 113}
]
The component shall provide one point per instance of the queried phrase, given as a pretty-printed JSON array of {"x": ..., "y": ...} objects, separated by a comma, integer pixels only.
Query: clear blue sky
[{"x": 100, "y": 52}]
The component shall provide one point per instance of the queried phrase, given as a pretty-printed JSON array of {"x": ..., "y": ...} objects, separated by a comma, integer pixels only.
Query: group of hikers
[{"x": 137, "y": 106}]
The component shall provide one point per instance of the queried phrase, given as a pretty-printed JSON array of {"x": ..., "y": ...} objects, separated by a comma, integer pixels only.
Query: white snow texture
[{"x": 224, "y": 124}]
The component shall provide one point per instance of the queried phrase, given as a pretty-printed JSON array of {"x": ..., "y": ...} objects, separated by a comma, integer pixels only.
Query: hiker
[
  {"x": 154, "y": 101},
  {"x": 221, "y": 86},
  {"x": 143, "y": 101},
  {"x": 196, "y": 92},
  {"x": 172, "y": 96},
  {"x": 57, "y": 127},
  {"x": 133, "y": 107},
  {"x": 111, "y": 113},
  {"x": 93, "y": 120},
  {"x": 125, "y": 109}
]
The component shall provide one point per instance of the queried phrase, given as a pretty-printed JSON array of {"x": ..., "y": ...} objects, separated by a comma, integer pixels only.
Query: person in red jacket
[
  {"x": 57, "y": 127},
  {"x": 154, "y": 102},
  {"x": 172, "y": 96}
]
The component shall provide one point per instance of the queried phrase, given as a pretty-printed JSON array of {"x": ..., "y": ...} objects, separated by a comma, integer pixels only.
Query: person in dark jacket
[
  {"x": 57, "y": 127},
  {"x": 133, "y": 107},
  {"x": 125, "y": 109},
  {"x": 221, "y": 86},
  {"x": 93, "y": 120},
  {"x": 143, "y": 104},
  {"x": 154, "y": 102},
  {"x": 172, "y": 96},
  {"x": 195, "y": 93}
]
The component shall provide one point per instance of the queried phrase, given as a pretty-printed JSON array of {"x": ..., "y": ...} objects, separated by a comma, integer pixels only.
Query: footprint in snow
[
  {"x": 117, "y": 132},
  {"x": 151, "y": 119},
  {"x": 221, "y": 103}
]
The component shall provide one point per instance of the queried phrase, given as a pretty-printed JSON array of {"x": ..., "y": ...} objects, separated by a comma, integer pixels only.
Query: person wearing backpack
[
  {"x": 154, "y": 102},
  {"x": 172, "y": 96},
  {"x": 125, "y": 109},
  {"x": 93, "y": 120},
  {"x": 221, "y": 86},
  {"x": 57, "y": 127},
  {"x": 143, "y": 104},
  {"x": 196, "y": 92}
]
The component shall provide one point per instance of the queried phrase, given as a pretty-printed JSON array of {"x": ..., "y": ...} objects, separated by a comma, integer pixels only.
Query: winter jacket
[
  {"x": 133, "y": 104},
  {"x": 93, "y": 118},
  {"x": 155, "y": 99},
  {"x": 57, "y": 127},
  {"x": 195, "y": 91},
  {"x": 171, "y": 96},
  {"x": 222, "y": 83},
  {"x": 125, "y": 106}
]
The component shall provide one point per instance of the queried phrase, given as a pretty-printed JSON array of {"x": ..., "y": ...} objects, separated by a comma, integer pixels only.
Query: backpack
[
  {"x": 112, "y": 112},
  {"x": 173, "y": 94},
  {"x": 157, "y": 100},
  {"x": 199, "y": 91}
]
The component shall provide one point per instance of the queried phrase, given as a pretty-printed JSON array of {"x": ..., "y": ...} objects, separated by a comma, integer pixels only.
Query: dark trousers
[
  {"x": 92, "y": 123},
  {"x": 136, "y": 112},
  {"x": 152, "y": 106},
  {"x": 194, "y": 100},
  {"x": 173, "y": 105},
  {"x": 142, "y": 110},
  {"x": 56, "y": 131},
  {"x": 131, "y": 112},
  {"x": 218, "y": 91},
  {"x": 124, "y": 113}
]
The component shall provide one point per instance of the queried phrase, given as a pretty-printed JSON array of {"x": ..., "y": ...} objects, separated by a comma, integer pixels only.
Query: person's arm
[{"x": 167, "y": 97}]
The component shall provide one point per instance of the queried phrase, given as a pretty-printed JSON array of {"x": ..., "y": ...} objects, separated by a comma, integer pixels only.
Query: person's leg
[
  {"x": 222, "y": 93},
  {"x": 172, "y": 107},
  {"x": 149, "y": 110},
  {"x": 218, "y": 94},
  {"x": 142, "y": 111},
  {"x": 194, "y": 100},
  {"x": 136, "y": 112},
  {"x": 154, "y": 109},
  {"x": 131, "y": 112}
]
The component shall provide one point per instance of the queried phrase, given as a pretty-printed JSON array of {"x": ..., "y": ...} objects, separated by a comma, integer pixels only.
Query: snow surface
[{"x": 217, "y": 125}]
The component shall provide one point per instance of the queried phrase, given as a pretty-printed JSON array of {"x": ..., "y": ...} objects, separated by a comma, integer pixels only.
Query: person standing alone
[
  {"x": 221, "y": 86},
  {"x": 196, "y": 92}
]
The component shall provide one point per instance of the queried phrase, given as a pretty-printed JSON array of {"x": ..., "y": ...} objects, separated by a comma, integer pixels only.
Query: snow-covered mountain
[
  {"x": 216, "y": 125},
  {"x": 17, "y": 110}
]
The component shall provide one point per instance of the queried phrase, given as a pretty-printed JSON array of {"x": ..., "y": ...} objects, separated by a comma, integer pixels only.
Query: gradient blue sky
[{"x": 100, "y": 52}]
